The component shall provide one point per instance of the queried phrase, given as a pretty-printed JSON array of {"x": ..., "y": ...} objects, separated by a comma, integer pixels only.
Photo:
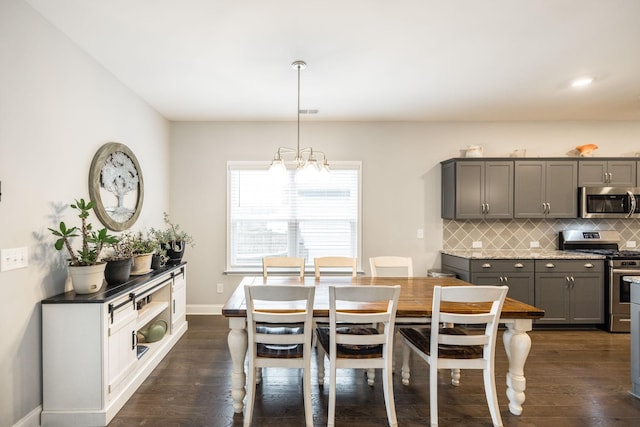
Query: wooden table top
[{"x": 415, "y": 300}]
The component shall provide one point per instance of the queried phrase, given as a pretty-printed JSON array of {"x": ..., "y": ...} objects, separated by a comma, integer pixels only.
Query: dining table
[{"x": 414, "y": 308}]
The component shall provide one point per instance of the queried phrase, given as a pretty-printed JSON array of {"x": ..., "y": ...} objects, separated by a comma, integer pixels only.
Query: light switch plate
[
  {"x": 14, "y": 258},
  {"x": 476, "y": 245},
  {"x": 631, "y": 243}
]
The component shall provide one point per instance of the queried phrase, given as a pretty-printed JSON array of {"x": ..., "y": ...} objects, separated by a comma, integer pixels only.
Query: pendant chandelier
[{"x": 305, "y": 159}]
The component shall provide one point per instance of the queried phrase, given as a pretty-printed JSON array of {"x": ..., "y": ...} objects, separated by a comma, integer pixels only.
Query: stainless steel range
[{"x": 620, "y": 263}]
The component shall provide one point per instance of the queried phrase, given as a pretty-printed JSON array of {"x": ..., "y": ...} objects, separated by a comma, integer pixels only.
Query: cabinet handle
[
  {"x": 550, "y": 265},
  {"x": 487, "y": 211},
  {"x": 610, "y": 176},
  {"x": 134, "y": 339},
  {"x": 588, "y": 265},
  {"x": 573, "y": 281},
  {"x": 501, "y": 279},
  {"x": 506, "y": 280},
  {"x": 483, "y": 208},
  {"x": 548, "y": 207},
  {"x": 568, "y": 279},
  {"x": 486, "y": 265},
  {"x": 518, "y": 265}
]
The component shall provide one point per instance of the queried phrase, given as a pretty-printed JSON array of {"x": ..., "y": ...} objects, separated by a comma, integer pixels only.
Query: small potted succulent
[
  {"x": 85, "y": 266},
  {"x": 172, "y": 240},
  {"x": 143, "y": 248},
  {"x": 119, "y": 261}
]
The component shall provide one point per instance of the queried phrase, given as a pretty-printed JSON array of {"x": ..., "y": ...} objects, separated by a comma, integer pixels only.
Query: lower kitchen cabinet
[
  {"x": 92, "y": 359},
  {"x": 518, "y": 274},
  {"x": 570, "y": 291}
]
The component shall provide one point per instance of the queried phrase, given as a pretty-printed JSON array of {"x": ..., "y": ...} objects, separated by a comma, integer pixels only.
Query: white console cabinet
[{"x": 92, "y": 361}]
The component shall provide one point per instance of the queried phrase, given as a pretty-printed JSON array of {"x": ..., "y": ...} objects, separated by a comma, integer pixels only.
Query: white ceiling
[{"x": 431, "y": 60}]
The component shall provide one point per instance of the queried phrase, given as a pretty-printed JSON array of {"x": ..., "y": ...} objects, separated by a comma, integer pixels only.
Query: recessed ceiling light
[{"x": 582, "y": 82}]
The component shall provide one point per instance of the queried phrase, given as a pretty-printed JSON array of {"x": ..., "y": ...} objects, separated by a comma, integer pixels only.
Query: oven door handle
[
  {"x": 632, "y": 204},
  {"x": 625, "y": 272}
]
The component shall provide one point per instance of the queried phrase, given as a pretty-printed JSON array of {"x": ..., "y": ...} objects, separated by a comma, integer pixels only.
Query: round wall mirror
[{"x": 116, "y": 185}]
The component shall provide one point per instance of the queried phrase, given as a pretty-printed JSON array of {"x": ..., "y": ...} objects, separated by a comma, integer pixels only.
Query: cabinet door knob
[
  {"x": 549, "y": 265},
  {"x": 588, "y": 265},
  {"x": 518, "y": 265},
  {"x": 486, "y": 265}
]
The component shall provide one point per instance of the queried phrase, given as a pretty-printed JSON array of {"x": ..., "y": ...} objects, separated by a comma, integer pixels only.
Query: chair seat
[
  {"x": 280, "y": 350},
  {"x": 348, "y": 350},
  {"x": 421, "y": 338}
]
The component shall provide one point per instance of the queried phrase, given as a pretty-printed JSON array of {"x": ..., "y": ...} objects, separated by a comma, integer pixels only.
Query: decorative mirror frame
[{"x": 95, "y": 184}]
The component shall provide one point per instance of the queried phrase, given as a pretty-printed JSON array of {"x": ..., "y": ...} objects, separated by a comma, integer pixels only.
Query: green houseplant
[
  {"x": 85, "y": 267},
  {"x": 143, "y": 248},
  {"x": 173, "y": 240}
]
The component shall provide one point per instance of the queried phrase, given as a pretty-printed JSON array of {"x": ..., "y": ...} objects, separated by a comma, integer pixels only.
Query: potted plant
[
  {"x": 173, "y": 240},
  {"x": 85, "y": 267},
  {"x": 143, "y": 248},
  {"x": 119, "y": 261}
]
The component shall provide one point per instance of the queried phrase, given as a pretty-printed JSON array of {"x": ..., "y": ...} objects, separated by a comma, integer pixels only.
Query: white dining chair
[
  {"x": 337, "y": 265},
  {"x": 455, "y": 347},
  {"x": 270, "y": 346},
  {"x": 396, "y": 266},
  {"x": 349, "y": 344},
  {"x": 282, "y": 264}
]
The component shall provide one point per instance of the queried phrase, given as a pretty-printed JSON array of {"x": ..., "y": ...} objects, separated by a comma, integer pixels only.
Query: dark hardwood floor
[{"x": 574, "y": 379}]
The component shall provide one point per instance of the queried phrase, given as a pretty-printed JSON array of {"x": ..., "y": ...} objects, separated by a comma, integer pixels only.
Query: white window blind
[{"x": 276, "y": 215}]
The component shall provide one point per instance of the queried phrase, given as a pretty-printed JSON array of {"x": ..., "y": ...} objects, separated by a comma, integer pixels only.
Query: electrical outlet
[
  {"x": 477, "y": 244},
  {"x": 420, "y": 233},
  {"x": 14, "y": 258},
  {"x": 631, "y": 243},
  {"x": 220, "y": 288},
  {"x": 534, "y": 244}
]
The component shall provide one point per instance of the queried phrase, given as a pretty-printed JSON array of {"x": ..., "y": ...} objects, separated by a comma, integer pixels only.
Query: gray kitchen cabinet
[
  {"x": 518, "y": 274},
  {"x": 546, "y": 189},
  {"x": 476, "y": 189},
  {"x": 612, "y": 173},
  {"x": 570, "y": 291}
]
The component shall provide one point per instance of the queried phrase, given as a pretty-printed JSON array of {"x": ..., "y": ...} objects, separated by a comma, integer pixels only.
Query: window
[{"x": 276, "y": 215}]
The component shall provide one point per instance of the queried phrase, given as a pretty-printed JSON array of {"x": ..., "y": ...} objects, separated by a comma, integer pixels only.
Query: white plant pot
[
  {"x": 141, "y": 264},
  {"x": 87, "y": 279}
]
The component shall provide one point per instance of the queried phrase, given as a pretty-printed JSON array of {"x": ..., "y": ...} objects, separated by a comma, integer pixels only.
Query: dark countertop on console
[{"x": 107, "y": 293}]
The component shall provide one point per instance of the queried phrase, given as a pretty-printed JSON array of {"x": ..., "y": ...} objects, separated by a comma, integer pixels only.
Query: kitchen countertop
[
  {"x": 519, "y": 254},
  {"x": 631, "y": 279}
]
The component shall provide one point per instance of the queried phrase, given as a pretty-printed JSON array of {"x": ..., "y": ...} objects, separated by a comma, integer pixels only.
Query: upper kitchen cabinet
[
  {"x": 546, "y": 189},
  {"x": 610, "y": 173},
  {"x": 477, "y": 189}
]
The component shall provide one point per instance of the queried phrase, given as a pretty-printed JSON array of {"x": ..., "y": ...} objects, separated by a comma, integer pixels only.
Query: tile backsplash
[{"x": 519, "y": 233}]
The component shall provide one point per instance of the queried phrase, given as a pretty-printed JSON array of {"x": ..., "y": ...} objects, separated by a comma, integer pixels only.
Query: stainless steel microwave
[{"x": 609, "y": 202}]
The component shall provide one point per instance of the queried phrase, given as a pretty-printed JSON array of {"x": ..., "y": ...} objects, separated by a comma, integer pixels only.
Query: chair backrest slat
[
  {"x": 335, "y": 262},
  {"x": 493, "y": 296},
  {"x": 281, "y": 262},
  {"x": 396, "y": 264}
]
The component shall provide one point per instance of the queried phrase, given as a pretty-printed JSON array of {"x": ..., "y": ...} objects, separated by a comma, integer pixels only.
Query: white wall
[
  {"x": 401, "y": 177},
  {"x": 57, "y": 107}
]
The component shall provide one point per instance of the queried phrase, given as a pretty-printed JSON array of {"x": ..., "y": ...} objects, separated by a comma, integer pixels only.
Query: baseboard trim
[
  {"x": 206, "y": 309},
  {"x": 32, "y": 419}
]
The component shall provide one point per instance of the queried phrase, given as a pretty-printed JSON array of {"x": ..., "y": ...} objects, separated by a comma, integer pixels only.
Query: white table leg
[
  {"x": 517, "y": 345},
  {"x": 237, "y": 341}
]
